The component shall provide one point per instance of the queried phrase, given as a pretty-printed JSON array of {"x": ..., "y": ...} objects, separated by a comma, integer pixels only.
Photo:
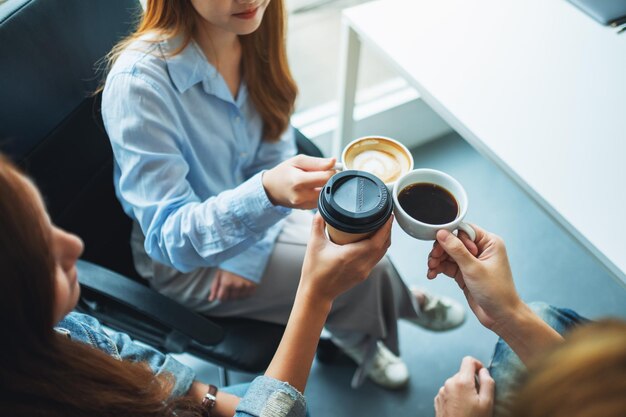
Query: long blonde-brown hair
[
  {"x": 266, "y": 71},
  {"x": 584, "y": 377},
  {"x": 43, "y": 373}
]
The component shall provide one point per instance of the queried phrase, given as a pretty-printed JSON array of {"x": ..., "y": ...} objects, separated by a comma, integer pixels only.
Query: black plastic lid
[{"x": 355, "y": 202}]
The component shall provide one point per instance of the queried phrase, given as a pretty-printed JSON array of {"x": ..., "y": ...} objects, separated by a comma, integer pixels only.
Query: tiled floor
[{"x": 548, "y": 265}]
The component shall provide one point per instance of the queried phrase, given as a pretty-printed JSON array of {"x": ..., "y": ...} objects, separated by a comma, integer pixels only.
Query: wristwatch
[{"x": 209, "y": 400}]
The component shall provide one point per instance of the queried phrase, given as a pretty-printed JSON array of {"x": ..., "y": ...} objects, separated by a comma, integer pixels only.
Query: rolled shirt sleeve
[
  {"x": 270, "y": 397},
  {"x": 251, "y": 263}
]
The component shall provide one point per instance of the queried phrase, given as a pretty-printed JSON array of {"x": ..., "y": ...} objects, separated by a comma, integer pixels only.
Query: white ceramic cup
[
  {"x": 375, "y": 154},
  {"x": 426, "y": 231}
]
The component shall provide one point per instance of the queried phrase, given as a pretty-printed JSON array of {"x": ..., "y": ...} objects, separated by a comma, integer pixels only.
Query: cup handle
[
  {"x": 338, "y": 166},
  {"x": 467, "y": 229}
]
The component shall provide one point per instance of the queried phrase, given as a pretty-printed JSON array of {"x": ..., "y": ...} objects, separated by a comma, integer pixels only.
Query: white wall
[{"x": 390, "y": 109}]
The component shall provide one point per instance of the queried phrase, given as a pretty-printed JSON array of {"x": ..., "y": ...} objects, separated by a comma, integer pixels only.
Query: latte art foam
[
  {"x": 379, "y": 156},
  {"x": 380, "y": 163}
]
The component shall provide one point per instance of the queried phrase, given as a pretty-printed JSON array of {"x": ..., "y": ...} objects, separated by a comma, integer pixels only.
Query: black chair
[{"x": 51, "y": 126}]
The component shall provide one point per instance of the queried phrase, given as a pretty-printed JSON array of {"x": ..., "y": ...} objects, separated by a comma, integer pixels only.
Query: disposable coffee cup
[
  {"x": 354, "y": 205},
  {"x": 384, "y": 157},
  {"x": 430, "y": 193}
]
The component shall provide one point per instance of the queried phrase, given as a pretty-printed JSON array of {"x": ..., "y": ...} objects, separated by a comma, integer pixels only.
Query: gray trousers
[{"x": 369, "y": 310}]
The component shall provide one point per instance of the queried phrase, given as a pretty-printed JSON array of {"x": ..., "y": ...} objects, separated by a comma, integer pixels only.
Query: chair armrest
[
  {"x": 305, "y": 146},
  {"x": 145, "y": 302}
]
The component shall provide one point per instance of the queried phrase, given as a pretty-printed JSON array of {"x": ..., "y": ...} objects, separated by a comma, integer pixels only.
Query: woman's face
[
  {"x": 66, "y": 249},
  {"x": 240, "y": 17}
]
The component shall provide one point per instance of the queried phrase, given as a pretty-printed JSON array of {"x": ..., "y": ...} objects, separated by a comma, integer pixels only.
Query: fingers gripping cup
[{"x": 354, "y": 204}]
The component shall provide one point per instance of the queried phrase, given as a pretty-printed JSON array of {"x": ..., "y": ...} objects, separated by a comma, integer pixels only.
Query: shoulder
[
  {"x": 86, "y": 329},
  {"x": 141, "y": 63},
  {"x": 77, "y": 321}
]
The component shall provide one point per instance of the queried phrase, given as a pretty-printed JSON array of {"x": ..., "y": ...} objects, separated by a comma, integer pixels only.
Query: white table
[{"x": 535, "y": 85}]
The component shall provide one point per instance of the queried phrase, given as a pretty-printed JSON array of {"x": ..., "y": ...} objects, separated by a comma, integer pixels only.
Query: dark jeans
[{"x": 507, "y": 369}]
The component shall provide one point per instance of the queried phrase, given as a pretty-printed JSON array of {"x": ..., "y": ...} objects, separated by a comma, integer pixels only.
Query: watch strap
[{"x": 209, "y": 400}]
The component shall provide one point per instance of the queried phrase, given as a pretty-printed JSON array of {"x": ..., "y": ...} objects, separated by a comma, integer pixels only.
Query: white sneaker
[
  {"x": 384, "y": 368},
  {"x": 439, "y": 313}
]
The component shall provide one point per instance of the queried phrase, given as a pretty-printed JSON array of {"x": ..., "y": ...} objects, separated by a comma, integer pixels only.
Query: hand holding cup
[
  {"x": 484, "y": 275},
  {"x": 330, "y": 269},
  {"x": 296, "y": 182},
  {"x": 354, "y": 204}
]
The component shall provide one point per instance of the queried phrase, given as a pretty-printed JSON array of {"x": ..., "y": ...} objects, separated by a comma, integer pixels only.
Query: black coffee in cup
[
  {"x": 354, "y": 204},
  {"x": 429, "y": 203}
]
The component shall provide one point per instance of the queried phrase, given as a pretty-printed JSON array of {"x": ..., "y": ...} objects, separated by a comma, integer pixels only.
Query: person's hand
[
  {"x": 297, "y": 182},
  {"x": 469, "y": 393},
  {"x": 485, "y": 276},
  {"x": 229, "y": 286},
  {"x": 330, "y": 269}
]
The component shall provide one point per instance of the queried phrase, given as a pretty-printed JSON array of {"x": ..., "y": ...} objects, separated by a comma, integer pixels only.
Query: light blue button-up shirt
[{"x": 189, "y": 159}]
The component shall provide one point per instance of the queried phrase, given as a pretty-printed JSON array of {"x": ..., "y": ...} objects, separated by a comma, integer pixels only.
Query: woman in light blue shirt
[
  {"x": 57, "y": 363},
  {"x": 197, "y": 106}
]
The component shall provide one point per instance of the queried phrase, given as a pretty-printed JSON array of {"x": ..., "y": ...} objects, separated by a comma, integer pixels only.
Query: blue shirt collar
[{"x": 190, "y": 67}]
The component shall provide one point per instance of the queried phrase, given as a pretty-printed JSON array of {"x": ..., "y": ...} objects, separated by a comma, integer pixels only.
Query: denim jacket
[{"x": 266, "y": 397}]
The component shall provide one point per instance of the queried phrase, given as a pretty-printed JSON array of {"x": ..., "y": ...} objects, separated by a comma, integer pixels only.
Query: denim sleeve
[
  {"x": 269, "y": 397},
  {"x": 507, "y": 369},
  {"x": 180, "y": 230},
  {"x": 180, "y": 375},
  {"x": 86, "y": 329}
]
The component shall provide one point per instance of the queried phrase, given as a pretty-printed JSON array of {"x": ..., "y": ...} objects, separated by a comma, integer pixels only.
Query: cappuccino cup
[
  {"x": 427, "y": 200},
  {"x": 354, "y": 205},
  {"x": 381, "y": 156}
]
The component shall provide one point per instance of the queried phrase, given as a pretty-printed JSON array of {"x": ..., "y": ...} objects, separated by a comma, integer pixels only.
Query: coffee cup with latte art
[{"x": 384, "y": 157}]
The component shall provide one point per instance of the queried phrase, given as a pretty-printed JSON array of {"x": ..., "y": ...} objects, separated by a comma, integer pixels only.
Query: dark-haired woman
[{"x": 57, "y": 363}]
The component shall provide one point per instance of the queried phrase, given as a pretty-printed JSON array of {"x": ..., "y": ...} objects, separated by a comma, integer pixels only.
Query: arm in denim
[
  {"x": 86, "y": 329},
  {"x": 269, "y": 397},
  {"x": 181, "y": 230},
  {"x": 161, "y": 364}
]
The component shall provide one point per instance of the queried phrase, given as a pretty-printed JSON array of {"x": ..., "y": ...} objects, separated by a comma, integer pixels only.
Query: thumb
[
  {"x": 487, "y": 385},
  {"x": 215, "y": 285},
  {"x": 311, "y": 163},
  {"x": 455, "y": 248},
  {"x": 317, "y": 227}
]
